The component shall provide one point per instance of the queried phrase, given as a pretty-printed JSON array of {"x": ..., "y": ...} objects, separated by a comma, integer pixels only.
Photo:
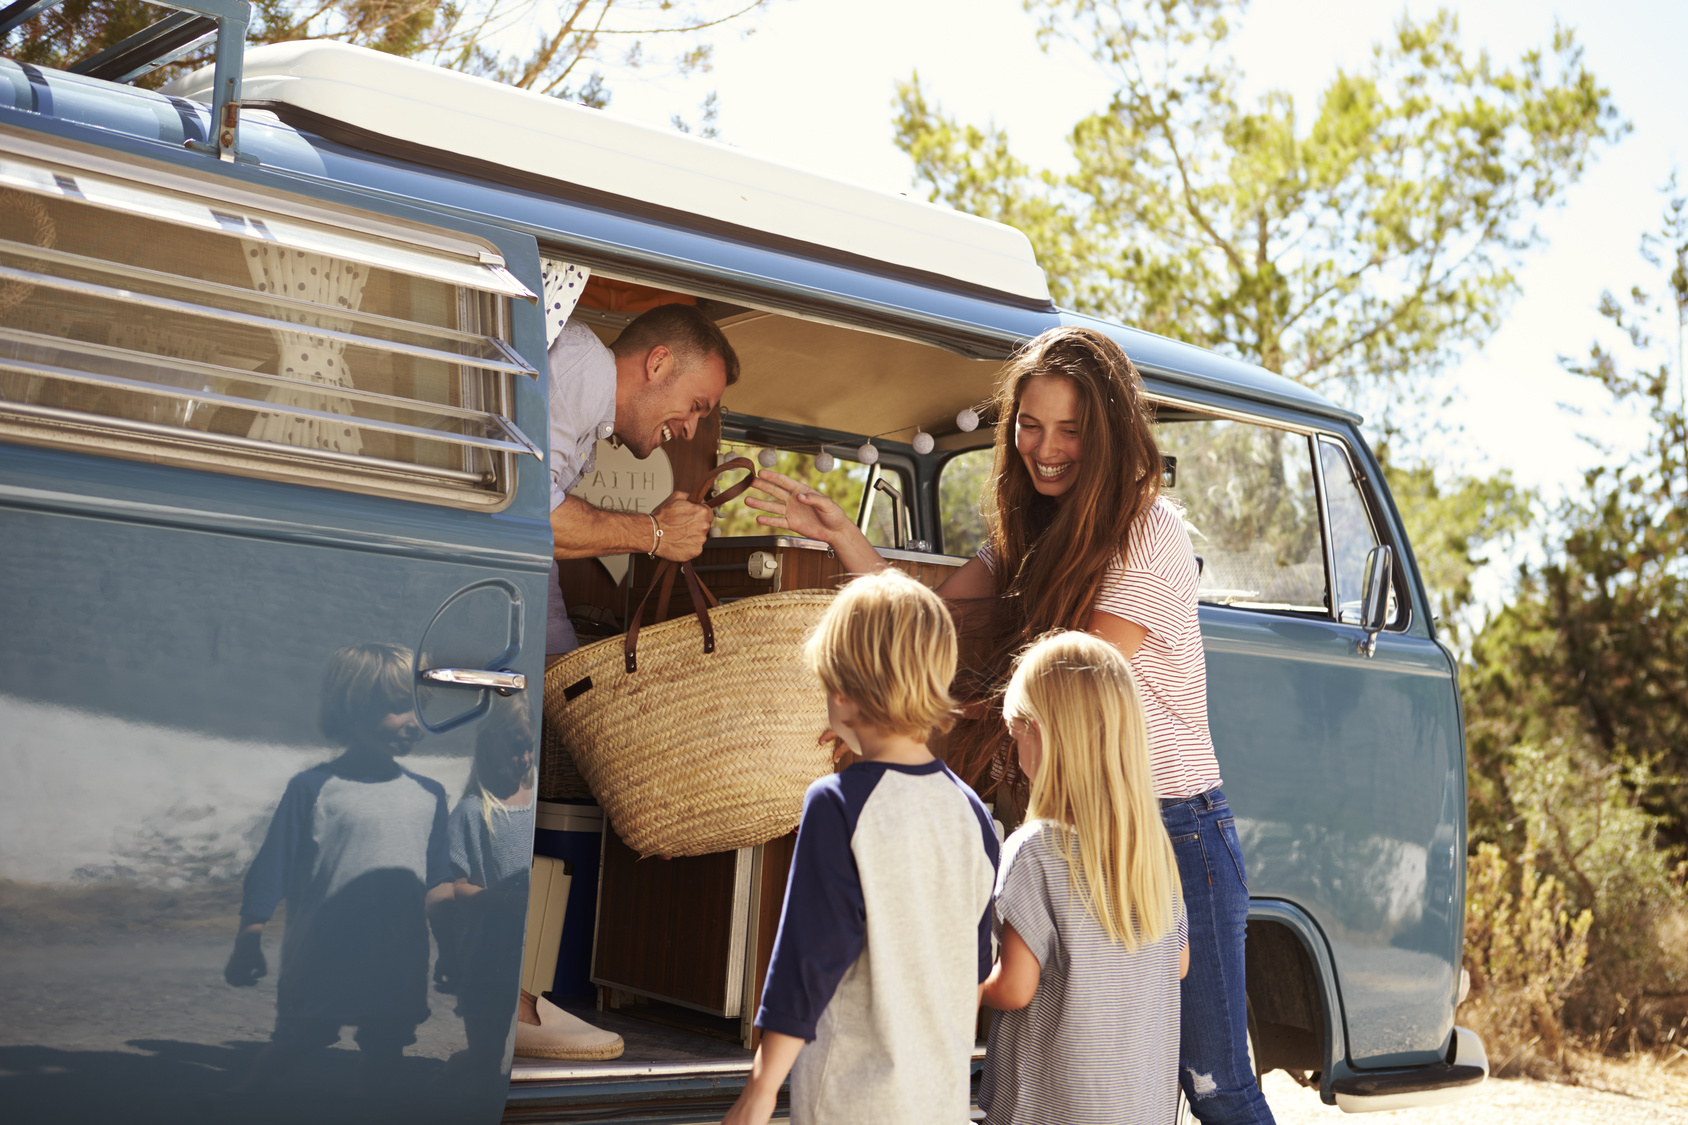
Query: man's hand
[
  {"x": 580, "y": 530},
  {"x": 684, "y": 525},
  {"x": 246, "y": 964}
]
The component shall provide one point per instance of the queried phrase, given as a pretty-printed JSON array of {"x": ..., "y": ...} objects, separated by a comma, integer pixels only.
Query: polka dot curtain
[
  {"x": 320, "y": 280},
  {"x": 563, "y": 286}
]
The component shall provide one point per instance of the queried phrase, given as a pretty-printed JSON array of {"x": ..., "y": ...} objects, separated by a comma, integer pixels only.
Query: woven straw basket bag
[{"x": 697, "y": 735}]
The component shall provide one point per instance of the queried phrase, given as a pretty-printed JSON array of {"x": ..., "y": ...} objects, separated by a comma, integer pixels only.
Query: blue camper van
[{"x": 272, "y": 438}]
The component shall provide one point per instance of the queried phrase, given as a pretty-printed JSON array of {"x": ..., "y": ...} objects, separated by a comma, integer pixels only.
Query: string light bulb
[
  {"x": 967, "y": 421},
  {"x": 923, "y": 443},
  {"x": 868, "y": 454},
  {"x": 768, "y": 458},
  {"x": 825, "y": 462}
]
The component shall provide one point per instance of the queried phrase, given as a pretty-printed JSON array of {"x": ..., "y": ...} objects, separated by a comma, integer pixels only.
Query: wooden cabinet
[
  {"x": 695, "y": 931},
  {"x": 675, "y": 929}
]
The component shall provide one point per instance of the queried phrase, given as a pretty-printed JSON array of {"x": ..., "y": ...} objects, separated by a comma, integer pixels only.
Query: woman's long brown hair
[
  {"x": 1050, "y": 557},
  {"x": 1049, "y": 576}
]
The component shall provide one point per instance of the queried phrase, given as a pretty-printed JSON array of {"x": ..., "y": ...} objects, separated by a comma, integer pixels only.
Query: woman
[{"x": 1080, "y": 538}]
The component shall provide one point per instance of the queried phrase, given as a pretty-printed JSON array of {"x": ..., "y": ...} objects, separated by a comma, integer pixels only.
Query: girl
[
  {"x": 1080, "y": 538},
  {"x": 491, "y": 835},
  {"x": 1088, "y": 910}
]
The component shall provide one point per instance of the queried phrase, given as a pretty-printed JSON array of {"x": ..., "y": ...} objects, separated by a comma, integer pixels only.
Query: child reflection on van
[
  {"x": 355, "y": 848},
  {"x": 481, "y": 924}
]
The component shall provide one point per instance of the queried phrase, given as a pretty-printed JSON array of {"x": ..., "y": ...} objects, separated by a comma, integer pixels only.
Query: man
[{"x": 664, "y": 373}]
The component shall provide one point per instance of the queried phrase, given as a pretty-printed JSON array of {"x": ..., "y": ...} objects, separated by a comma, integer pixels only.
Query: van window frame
[
  {"x": 1311, "y": 433},
  {"x": 1402, "y": 620},
  {"x": 942, "y": 464},
  {"x": 124, "y": 438}
]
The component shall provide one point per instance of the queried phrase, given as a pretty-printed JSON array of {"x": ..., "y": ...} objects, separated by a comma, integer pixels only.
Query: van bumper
[{"x": 1466, "y": 1067}]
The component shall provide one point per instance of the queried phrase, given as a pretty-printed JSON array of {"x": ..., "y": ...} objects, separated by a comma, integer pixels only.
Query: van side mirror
[{"x": 1374, "y": 595}]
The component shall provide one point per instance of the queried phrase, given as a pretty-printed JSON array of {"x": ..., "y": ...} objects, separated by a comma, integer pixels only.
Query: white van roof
[{"x": 482, "y": 120}]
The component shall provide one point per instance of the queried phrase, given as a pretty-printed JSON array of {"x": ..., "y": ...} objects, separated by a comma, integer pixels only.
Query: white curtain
[
  {"x": 564, "y": 283},
  {"x": 320, "y": 280}
]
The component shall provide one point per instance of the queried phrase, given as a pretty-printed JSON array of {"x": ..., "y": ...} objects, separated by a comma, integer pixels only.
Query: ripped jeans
[{"x": 1213, "y": 1066}]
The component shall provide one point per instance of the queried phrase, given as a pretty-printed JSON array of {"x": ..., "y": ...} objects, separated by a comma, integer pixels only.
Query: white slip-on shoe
[{"x": 560, "y": 1035}]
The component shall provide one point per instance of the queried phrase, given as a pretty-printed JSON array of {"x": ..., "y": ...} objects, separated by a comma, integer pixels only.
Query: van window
[
  {"x": 961, "y": 485},
  {"x": 139, "y": 321},
  {"x": 1352, "y": 534},
  {"x": 1250, "y": 502},
  {"x": 845, "y": 484}
]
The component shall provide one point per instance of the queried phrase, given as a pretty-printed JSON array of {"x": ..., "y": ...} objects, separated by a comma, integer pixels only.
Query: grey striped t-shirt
[{"x": 1099, "y": 1040}]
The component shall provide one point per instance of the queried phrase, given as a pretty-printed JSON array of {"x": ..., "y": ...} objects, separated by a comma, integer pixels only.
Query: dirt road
[{"x": 1510, "y": 1101}]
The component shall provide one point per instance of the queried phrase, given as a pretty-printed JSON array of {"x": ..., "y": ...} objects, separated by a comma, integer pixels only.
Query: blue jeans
[{"x": 1213, "y": 1066}]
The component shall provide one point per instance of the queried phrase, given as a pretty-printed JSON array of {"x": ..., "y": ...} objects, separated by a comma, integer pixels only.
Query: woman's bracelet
[{"x": 656, "y": 535}]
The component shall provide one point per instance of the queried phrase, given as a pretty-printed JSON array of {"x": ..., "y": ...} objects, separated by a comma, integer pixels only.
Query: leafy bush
[
  {"x": 1524, "y": 952},
  {"x": 1596, "y": 834},
  {"x": 1590, "y": 847}
]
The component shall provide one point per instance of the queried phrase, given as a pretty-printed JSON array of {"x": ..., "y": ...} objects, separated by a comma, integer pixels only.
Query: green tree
[
  {"x": 1455, "y": 520},
  {"x": 1366, "y": 243},
  {"x": 1594, "y": 646},
  {"x": 1358, "y": 249},
  {"x": 551, "y": 47},
  {"x": 1577, "y": 730}
]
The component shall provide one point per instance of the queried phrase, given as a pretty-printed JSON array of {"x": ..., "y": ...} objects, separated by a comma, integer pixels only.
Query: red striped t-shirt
[{"x": 1154, "y": 586}]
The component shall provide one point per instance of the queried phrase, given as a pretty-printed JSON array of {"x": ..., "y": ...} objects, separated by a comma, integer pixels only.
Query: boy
[
  {"x": 886, "y": 930},
  {"x": 356, "y": 846}
]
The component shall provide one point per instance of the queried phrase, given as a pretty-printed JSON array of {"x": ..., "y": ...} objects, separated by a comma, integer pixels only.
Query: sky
[{"x": 813, "y": 85}]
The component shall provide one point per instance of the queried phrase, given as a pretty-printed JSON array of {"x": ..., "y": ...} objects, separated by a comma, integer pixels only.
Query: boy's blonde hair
[
  {"x": 363, "y": 685},
  {"x": 1095, "y": 778},
  {"x": 887, "y": 644}
]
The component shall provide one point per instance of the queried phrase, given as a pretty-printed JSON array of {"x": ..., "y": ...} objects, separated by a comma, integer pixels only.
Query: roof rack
[{"x": 191, "y": 23}]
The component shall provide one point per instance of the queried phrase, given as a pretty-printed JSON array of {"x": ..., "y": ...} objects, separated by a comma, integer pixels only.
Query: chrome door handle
[{"x": 504, "y": 683}]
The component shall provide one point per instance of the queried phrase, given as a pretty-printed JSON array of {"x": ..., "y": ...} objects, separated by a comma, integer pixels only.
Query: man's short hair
[
  {"x": 683, "y": 330},
  {"x": 888, "y": 645}
]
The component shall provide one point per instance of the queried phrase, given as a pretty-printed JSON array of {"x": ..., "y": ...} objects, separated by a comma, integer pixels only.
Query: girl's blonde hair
[
  {"x": 1095, "y": 779},
  {"x": 887, "y": 644},
  {"x": 508, "y": 726}
]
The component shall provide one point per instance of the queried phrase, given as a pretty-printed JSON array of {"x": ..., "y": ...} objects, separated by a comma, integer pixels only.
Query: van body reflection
[
  {"x": 356, "y": 848},
  {"x": 481, "y": 918}
]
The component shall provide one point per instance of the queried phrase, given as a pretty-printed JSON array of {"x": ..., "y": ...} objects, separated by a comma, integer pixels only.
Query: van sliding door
[{"x": 262, "y": 468}]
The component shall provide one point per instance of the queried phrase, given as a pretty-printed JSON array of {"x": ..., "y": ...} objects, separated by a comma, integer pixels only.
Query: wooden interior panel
[{"x": 665, "y": 925}]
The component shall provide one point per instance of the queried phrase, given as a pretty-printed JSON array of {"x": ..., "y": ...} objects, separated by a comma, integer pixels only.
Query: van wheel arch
[{"x": 1287, "y": 1016}]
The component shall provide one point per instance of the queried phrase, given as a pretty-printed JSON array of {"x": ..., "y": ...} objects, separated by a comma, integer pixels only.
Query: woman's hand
[
  {"x": 797, "y": 508},
  {"x": 805, "y": 511}
]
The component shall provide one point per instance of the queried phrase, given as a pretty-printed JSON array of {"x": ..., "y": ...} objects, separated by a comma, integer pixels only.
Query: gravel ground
[{"x": 1499, "y": 1101}]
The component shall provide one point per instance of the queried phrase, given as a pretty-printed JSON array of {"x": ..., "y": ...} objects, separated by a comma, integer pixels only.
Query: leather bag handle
[{"x": 662, "y": 582}]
